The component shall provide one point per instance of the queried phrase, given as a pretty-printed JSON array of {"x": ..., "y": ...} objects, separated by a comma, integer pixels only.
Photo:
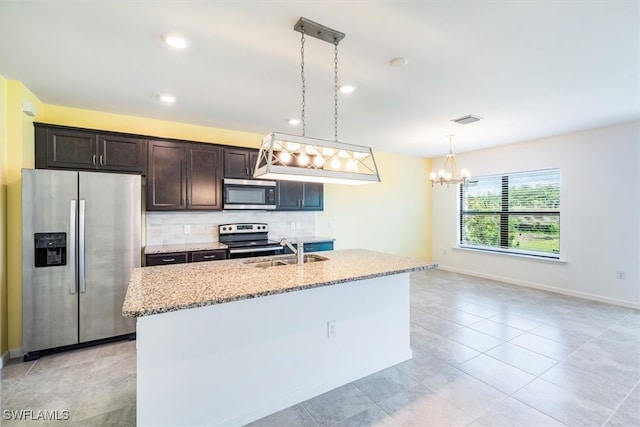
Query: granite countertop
[
  {"x": 161, "y": 289},
  {"x": 185, "y": 247}
]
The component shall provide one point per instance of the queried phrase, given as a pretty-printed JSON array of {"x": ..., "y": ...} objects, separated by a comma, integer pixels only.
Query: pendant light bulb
[
  {"x": 284, "y": 157},
  {"x": 303, "y": 159}
]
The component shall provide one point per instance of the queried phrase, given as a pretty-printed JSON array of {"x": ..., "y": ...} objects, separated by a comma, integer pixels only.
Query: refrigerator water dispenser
[{"x": 50, "y": 249}]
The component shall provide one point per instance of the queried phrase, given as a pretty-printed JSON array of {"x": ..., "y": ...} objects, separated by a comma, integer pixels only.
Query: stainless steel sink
[
  {"x": 283, "y": 260},
  {"x": 265, "y": 264}
]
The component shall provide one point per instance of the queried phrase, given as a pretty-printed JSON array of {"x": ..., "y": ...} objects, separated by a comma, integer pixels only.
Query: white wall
[{"x": 599, "y": 216}]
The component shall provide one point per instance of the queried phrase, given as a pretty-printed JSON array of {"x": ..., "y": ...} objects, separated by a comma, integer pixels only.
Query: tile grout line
[{"x": 637, "y": 386}]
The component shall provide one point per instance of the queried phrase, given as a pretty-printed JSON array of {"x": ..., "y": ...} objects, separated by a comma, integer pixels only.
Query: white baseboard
[
  {"x": 584, "y": 295},
  {"x": 15, "y": 353},
  {"x": 4, "y": 359}
]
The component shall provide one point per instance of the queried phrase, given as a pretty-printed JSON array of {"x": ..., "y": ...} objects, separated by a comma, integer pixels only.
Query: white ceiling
[{"x": 530, "y": 68}]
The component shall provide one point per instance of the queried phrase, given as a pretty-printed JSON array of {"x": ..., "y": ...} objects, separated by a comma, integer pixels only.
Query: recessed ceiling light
[
  {"x": 167, "y": 98},
  {"x": 399, "y": 62},
  {"x": 293, "y": 122},
  {"x": 346, "y": 88},
  {"x": 176, "y": 41}
]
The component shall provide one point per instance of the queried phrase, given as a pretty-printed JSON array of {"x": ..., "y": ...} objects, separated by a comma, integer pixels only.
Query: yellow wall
[
  {"x": 393, "y": 216},
  {"x": 4, "y": 344},
  {"x": 18, "y": 133},
  {"x": 357, "y": 216},
  {"x": 55, "y": 114}
]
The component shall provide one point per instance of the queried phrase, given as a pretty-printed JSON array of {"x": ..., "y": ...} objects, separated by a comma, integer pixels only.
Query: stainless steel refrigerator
[{"x": 81, "y": 237}]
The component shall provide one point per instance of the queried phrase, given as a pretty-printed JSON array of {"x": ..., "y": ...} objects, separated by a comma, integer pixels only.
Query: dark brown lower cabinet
[
  {"x": 199, "y": 256},
  {"x": 167, "y": 258},
  {"x": 184, "y": 257}
]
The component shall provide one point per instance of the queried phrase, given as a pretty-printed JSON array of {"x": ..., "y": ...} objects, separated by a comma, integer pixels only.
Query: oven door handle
[{"x": 248, "y": 250}]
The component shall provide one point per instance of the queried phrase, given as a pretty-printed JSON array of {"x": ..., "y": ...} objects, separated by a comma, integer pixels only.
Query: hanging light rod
[{"x": 318, "y": 31}]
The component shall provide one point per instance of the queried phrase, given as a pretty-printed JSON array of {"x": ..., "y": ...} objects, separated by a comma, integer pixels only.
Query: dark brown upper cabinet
[
  {"x": 61, "y": 147},
  {"x": 240, "y": 162},
  {"x": 183, "y": 176},
  {"x": 299, "y": 196},
  {"x": 204, "y": 177},
  {"x": 166, "y": 176}
]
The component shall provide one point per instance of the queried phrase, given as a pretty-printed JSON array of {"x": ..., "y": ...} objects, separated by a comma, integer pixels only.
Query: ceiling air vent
[{"x": 465, "y": 120}]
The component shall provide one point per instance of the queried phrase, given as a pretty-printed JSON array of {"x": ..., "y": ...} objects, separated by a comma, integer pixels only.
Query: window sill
[{"x": 509, "y": 254}]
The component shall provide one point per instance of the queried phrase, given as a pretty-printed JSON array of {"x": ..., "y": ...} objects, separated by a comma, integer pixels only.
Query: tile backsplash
[{"x": 167, "y": 228}]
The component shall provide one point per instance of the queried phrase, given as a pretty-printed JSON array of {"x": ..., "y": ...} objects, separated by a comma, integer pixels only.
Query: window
[{"x": 516, "y": 213}]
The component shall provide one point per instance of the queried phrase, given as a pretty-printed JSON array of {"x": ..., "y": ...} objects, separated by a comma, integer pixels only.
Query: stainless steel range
[{"x": 248, "y": 240}]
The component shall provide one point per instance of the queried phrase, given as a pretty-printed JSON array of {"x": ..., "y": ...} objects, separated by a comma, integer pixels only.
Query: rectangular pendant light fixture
[{"x": 298, "y": 158}]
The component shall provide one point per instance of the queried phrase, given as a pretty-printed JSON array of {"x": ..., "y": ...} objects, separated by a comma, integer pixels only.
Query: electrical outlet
[
  {"x": 187, "y": 229},
  {"x": 331, "y": 329},
  {"x": 293, "y": 225},
  {"x": 298, "y": 225},
  {"x": 620, "y": 275}
]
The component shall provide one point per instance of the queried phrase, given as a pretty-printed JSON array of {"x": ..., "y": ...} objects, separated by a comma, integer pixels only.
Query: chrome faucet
[{"x": 299, "y": 251}]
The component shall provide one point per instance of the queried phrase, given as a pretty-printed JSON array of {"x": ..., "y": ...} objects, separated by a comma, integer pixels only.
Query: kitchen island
[{"x": 226, "y": 343}]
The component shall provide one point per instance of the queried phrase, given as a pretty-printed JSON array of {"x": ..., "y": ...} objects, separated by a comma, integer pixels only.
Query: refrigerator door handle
[
  {"x": 73, "y": 283},
  {"x": 81, "y": 249}
]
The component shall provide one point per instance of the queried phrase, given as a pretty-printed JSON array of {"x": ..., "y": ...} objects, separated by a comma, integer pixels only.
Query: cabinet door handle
[
  {"x": 101, "y": 162},
  {"x": 94, "y": 159},
  {"x": 209, "y": 256},
  {"x": 247, "y": 171},
  {"x": 168, "y": 259}
]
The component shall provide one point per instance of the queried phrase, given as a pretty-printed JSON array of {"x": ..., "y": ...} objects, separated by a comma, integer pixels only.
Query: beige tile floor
[{"x": 485, "y": 354}]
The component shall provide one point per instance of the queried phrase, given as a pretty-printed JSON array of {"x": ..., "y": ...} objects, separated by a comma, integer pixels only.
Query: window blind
[{"x": 516, "y": 212}]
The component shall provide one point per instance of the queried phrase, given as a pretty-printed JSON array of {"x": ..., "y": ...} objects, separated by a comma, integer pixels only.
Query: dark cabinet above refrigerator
[{"x": 61, "y": 147}]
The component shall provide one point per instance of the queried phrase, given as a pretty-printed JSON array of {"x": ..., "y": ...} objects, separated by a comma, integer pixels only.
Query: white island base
[{"x": 233, "y": 363}]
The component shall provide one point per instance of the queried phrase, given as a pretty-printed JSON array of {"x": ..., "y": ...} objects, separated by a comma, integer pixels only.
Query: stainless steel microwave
[{"x": 249, "y": 194}]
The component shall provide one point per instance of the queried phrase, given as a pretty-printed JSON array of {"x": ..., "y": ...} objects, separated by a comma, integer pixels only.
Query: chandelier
[
  {"x": 448, "y": 174},
  {"x": 300, "y": 158}
]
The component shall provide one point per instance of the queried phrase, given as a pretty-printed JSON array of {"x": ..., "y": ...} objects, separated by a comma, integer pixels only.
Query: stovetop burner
[{"x": 247, "y": 239}]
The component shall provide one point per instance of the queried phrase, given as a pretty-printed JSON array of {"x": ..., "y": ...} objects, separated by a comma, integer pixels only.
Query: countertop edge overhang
[{"x": 163, "y": 289}]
